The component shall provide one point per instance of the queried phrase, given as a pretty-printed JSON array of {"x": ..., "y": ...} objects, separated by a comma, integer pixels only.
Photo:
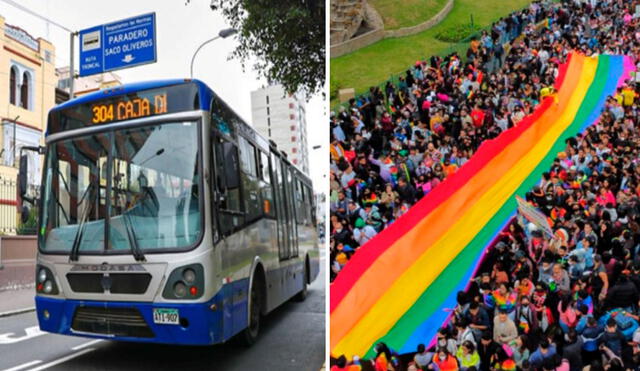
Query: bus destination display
[
  {"x": 104, "y": 110},
  {"x": 126, "y": 109}
]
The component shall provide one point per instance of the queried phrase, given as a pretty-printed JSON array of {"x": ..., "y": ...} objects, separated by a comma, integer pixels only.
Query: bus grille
[
  {"x": 111, "y": 321},
  {"x": 119, "y": 283}
]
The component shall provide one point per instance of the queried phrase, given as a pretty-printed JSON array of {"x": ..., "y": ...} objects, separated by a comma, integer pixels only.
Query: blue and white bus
[{"x": 165, "y": 218}]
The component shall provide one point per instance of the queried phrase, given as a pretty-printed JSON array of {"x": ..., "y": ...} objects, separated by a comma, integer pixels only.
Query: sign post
[
  {"x": 122, "y": 44},
  {"x": 72, "y": 67}
]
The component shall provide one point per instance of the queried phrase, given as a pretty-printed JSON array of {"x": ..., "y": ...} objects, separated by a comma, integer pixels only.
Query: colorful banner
[
  {"x": 534, "y": 216},
  {"x": 396, "y": 287}
]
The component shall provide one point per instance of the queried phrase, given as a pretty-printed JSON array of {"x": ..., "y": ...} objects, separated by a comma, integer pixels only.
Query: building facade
[
  {"x": 27, "y": 93},
  {"x": 281, "y": 117},
  {"x": 86, "y": 84}
]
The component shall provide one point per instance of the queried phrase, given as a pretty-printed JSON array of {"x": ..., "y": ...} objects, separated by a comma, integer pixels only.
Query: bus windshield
[{"x": 117, "y": 191}]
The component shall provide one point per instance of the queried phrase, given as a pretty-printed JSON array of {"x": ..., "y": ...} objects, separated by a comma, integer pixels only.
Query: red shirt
[{"x": 477, "y": 117}]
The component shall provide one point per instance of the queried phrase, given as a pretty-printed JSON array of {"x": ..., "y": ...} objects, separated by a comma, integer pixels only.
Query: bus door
[
  {"x": 227, "y": 185},
  {"x": 281, "y": 210}
]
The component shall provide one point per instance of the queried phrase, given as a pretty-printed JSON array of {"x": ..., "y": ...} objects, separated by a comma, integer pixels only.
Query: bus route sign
[{"x": 122, "y": 44}]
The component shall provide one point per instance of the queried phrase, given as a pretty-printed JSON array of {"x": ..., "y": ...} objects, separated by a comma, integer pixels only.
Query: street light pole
[
  {"x": 222, "y": 34},
  {"x": 15, "y": 123}
]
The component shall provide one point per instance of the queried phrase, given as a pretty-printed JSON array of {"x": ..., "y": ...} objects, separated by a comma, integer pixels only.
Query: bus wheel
[
  {"x": 302, "y": 295},
  {"x": 250, "y": 334}
]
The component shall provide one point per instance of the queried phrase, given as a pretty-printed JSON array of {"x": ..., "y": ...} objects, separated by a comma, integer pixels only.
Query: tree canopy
[{"x": 287, "y": 37}]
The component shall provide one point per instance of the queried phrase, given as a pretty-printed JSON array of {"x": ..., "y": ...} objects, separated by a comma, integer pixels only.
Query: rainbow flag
[{"x": 396, "y": 288}]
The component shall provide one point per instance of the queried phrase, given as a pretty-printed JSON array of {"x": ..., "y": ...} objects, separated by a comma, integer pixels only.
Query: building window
[
  {"x": 13, "y": 85},
  {"x": 291, "y": 105},
  {"x": 294, "y": 150},
  {"x": 268, "y": 112},
  {"x": 24, "y": 91},
  {"x": 293, "y": 139},
  {"x": 64, "y": 84},
  {"x": 267, "y": 99},
  {"x": 292, "y": 117},
  {"x": 47, "y": 56},
  {"x": 293, "y": 127},
  {"x": 295, "y": 161}
]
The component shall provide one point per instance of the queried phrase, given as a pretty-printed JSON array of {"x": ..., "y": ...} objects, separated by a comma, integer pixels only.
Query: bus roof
[
  {"x": 205, "y": 96},
  {"x": 205, "y": 92}
]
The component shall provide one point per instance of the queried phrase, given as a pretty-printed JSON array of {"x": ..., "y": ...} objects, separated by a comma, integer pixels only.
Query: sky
[{"x": 180, "y": 28}]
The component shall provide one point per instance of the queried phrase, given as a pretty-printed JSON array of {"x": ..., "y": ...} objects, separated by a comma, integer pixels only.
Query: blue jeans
[{"x": 564, "y": 327}]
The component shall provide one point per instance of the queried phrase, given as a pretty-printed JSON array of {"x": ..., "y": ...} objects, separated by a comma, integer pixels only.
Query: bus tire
[
  {"x": 302, "y": 295},
  {"x": 250, "y": 334}
]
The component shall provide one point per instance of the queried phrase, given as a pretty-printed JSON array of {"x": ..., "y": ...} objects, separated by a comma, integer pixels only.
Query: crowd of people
[
  {"x": 564, "y": 301},
  {"x": 390, "y": 148}
]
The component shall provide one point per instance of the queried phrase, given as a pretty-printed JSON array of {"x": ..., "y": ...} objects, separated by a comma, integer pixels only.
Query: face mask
[
  {"x": 442, "y": 342},
  {"x": 442, "y": 358}
]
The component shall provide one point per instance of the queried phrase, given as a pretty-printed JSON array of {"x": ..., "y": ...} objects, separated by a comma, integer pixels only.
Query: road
[{"x": 292, "y": 338}]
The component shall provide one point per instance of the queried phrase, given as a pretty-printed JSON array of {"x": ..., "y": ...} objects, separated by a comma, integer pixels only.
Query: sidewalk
[{"x": 16, "y": 301}]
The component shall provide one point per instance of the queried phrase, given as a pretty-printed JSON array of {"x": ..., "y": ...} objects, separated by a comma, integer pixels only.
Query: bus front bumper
[{"x": 200, "y": 323}]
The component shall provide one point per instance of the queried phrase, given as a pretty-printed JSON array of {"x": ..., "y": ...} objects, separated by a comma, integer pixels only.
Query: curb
[{"x": 17, "y": 311}]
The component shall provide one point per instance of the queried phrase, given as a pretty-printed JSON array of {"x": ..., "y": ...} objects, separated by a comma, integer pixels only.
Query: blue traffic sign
[{"x": 122, "y": 44}]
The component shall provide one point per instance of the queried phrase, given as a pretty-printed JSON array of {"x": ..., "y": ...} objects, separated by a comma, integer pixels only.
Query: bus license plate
[{"x": 166, "y": 316}]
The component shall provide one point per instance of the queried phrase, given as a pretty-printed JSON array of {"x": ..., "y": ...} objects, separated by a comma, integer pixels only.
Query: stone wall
[
  {"x": 357, "y": 43},
  {"x": 346, "y": 16},
  {"x": 373, "y": 20},
  {"x": 407, "y": 31}
]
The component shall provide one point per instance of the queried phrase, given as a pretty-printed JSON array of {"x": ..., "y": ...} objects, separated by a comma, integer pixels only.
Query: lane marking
[
  {"x": 62, "y": 360},
  {"x": 78, "y": 347},
  {"x": 31, "y": 332},
  {"x": 24, "y": 365}
]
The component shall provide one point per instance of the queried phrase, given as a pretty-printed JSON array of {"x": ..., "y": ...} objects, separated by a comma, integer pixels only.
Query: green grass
[
  {"x": 374, "y": 64},
  {"x": 411, "y": 13}
]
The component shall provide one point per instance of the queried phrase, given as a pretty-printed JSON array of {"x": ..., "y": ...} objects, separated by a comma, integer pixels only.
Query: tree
[{"x": 286, "y": 36}]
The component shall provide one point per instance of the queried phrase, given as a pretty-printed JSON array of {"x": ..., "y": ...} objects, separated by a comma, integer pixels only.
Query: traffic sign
[{"x": 122, "y": 44}]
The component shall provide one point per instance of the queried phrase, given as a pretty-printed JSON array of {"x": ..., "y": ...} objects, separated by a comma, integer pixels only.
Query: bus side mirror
[
  {"x": 25, "y": 214},
  {"x": 231, "y": 162},
  {"x": 22, "y": 175}
]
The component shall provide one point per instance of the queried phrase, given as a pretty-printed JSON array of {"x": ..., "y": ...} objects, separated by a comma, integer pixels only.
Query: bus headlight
[
  {"x": 42, "y": 275},
  {"x": 180, "y": 289},
  {"x": 189, "y": 275},
  {"x": 48, "y": 287},
  {"x": 45, "y": 281},
  {"x": 186, "y": 282}
]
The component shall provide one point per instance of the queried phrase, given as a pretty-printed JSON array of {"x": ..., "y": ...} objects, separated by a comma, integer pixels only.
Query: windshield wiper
[
  {"x": 73, "y": 255},
  {"x": 59, "y": 204},
  {"x": 133, "y": 240}
]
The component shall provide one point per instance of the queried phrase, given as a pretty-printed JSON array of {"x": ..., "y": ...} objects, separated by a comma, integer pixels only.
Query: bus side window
[
  {"x": 222, "y": 117},
  {"x": 227, "y": 173},
  {"x": 300, "y": 205},
  {"x": 266, "y": 192},
  {"x": 312, "y": 207},
  {"x": 250, "y": 186}
]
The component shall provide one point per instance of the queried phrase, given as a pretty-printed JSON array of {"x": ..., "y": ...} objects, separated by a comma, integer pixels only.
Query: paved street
[{"x": 292, "y": 339}]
